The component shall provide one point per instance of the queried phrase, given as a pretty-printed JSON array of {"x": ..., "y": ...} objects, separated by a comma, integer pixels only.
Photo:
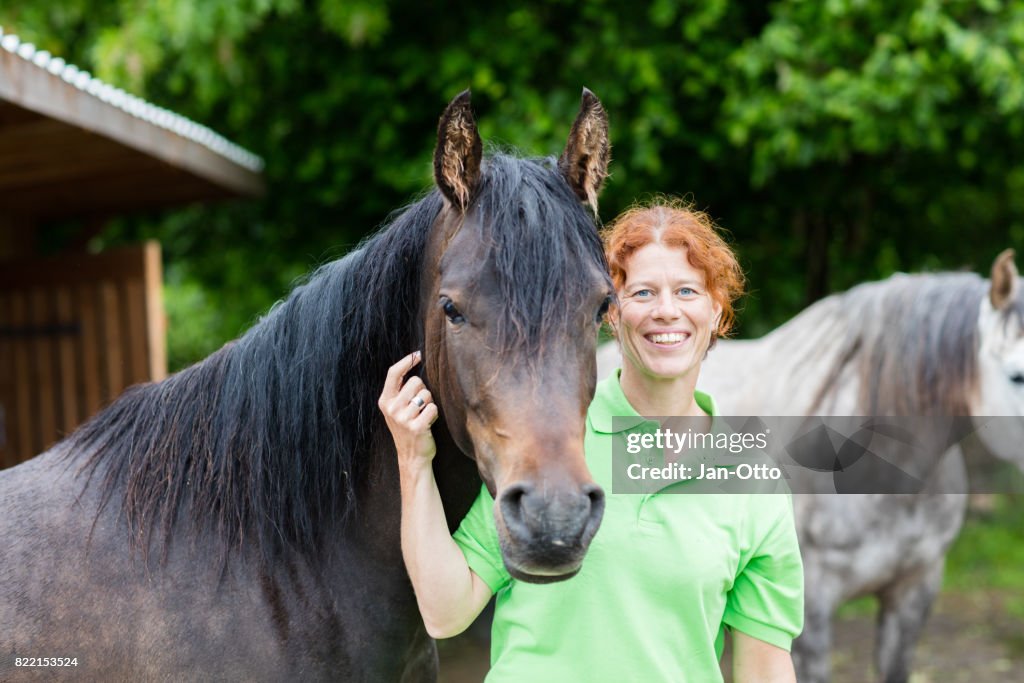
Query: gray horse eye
[
  {"x": 605, "y": 305},
  {"x": 1017, "y": 378}
]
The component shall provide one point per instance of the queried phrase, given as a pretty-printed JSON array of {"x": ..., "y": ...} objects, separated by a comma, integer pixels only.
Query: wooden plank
[
  {"x": 23, "y": 172},
  {"x": 90, "y": 399},
  {"x": 24, "y": 446},
  {"x": 41, "y": 350},
  {"x": 11, "y": 115},
  {"x": 132, "y": 187},
  {"x": 134, "y": 301},
  {"x": 113, "y": 347},
  {"x": 156, "y": 323},
  {"x": 66, "y": 361},
  {"x": 124, "y": 263},
  {"x": 6, "y": 383},
  {"x": 46, "y": 149},
  {"x": 68, "y": 166},
  {"x": 17, "y": 236}
]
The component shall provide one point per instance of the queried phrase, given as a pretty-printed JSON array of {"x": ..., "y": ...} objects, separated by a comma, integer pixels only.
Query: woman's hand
[
  {"x": 409, "y": 410},
  {"x": 449, "y": 594}
]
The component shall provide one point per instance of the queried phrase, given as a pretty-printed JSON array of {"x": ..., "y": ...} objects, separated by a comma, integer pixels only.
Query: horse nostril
[
  {"x": 512, "y": 504},
  {"x": 596, "y": 495}
]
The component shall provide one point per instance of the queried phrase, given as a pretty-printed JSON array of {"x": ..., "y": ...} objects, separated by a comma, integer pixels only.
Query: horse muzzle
[{"x": 545, "y": 532}]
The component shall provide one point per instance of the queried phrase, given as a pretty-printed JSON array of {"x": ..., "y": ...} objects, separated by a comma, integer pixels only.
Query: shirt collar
[{"x": 609, "y": 402}]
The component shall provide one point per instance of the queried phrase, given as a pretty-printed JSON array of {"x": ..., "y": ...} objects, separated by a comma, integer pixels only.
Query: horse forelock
[
  {"x": 544, "y": 249},
  {"x": 912, "y": 343},
  {"x": 268, "y": 438}
]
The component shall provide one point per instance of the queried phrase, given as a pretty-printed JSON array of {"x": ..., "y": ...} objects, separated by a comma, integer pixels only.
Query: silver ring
[{"x": 419, "y": 402}]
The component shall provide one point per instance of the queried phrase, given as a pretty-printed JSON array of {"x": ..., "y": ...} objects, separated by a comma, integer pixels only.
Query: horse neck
[
  {"x": 767, "y": 376},
  {"x": 276, "y": 437},
  {"x": 905, "y": 345}
]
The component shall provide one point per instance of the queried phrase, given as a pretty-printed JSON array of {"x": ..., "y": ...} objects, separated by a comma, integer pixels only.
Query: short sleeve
[
  {"x": 477, "y": 537},
  {"x": 767, "y": 598}
]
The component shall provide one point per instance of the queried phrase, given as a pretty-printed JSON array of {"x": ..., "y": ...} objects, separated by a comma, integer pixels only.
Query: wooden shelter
[{"x": 76, "y": 328}]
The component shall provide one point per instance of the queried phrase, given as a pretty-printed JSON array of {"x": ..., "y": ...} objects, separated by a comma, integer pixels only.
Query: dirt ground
[{"x": 970, "y": 638}]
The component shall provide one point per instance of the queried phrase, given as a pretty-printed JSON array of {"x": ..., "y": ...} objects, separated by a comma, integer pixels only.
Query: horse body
[
  {"x": 241, "y": 519},
  {"x": 189, "y": 616},
  {"x": 921, "y": 345}
]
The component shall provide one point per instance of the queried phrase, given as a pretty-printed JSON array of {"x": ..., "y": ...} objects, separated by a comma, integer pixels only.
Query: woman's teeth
[{"x": 667, "y": 338}]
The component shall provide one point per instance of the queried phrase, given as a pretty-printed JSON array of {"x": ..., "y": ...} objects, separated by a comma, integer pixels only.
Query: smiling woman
[{"x": 676, "y": 280}]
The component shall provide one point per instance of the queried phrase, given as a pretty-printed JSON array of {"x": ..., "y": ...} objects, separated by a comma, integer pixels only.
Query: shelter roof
[{"x": 72, "y": 145}]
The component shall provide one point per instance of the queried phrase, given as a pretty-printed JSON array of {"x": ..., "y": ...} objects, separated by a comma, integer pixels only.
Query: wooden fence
[{"x": 75, "y": 331}]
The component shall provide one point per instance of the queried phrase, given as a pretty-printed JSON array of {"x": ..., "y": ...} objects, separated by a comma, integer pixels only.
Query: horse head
[
  {"x": 510, "y": 328},
  {"x": 1001, "y": 360}
]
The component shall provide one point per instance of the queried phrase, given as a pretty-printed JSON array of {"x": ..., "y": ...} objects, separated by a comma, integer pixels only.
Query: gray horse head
[{"x": 1001, "y": 362}]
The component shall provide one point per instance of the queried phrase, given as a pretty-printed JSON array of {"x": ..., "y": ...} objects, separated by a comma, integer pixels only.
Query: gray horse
[{"x": 949, "y": 344}]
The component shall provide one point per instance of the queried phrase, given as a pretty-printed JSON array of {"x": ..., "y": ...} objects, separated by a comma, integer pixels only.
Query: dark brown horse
[{"x": 240, "y": 520}]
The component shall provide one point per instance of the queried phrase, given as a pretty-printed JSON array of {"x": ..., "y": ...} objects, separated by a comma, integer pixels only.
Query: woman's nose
[{"x": 667, "y": 307}]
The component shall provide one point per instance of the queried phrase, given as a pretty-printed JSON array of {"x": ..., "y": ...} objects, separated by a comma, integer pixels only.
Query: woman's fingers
[
  {"x": 411, "y": 388},
  {"x": 426, "y": 418},
  {"x": 417, "y": 404},
  {"x": 393, "y": 382},
  {"x": 406, "y": 402},
  {"x": 409, "y": 411}
]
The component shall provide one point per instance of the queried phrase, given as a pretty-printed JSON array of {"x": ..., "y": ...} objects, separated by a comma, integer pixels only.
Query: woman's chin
[{"x": 668, "y": 371}]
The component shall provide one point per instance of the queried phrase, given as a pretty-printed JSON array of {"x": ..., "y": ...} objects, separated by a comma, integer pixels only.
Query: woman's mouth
[{"x": 667, "y": 339}]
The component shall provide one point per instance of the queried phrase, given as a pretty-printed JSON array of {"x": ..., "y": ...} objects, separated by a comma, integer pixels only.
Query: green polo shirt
[{"x": 664, "y": 576}]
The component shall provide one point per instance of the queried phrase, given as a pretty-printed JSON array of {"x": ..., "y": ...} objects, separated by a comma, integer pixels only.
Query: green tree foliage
[{"x": 837, "y": 140}]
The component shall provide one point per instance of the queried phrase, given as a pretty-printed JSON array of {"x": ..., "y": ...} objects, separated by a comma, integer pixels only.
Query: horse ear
[
  {"x": 1004, "y": 281},
  {"x": 458, "y": 153},
  {"x": 584, "y": 163}
]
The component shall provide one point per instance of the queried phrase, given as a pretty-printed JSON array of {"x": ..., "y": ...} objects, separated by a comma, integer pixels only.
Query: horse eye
[
  {"x": 1017, "y": 378},
  {"x": 605, "y": 305},
  {"x": 453, "y": 314}
]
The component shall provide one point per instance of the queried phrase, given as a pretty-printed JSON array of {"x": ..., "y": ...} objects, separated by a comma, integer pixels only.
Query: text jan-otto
[{"x": 680, "y": 472}]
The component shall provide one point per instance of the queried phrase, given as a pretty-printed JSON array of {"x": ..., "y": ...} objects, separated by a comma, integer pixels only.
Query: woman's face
[{"x": 665, "y": 316}]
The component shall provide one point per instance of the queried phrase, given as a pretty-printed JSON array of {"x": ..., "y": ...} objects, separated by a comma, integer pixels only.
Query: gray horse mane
[{"x": 918, "y": 331}]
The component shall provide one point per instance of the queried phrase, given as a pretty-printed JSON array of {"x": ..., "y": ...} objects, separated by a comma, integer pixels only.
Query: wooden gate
[{"x": 75, "y": 331}]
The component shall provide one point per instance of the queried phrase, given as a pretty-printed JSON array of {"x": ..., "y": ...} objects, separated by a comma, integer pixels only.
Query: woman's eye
[
  {"x": 603, "y": 309},
  {"x": 642, "y": 293},
  {"x": 452, "y": 313},
  {"x": 687, "y": 291}
]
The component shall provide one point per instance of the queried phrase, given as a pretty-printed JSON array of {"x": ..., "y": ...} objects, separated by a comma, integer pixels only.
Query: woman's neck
[{"x": 654, "y": 396}]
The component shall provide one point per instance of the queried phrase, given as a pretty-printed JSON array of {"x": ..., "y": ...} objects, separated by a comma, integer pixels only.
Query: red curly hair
[{"x": 675, "y": 223}]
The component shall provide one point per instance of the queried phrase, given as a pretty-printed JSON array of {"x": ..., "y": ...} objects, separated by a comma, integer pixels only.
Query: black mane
[{"x": 270, "y": 437}]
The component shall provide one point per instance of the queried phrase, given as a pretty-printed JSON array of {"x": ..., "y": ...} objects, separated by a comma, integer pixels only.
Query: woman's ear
[{"x": 717, "y": 318}]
